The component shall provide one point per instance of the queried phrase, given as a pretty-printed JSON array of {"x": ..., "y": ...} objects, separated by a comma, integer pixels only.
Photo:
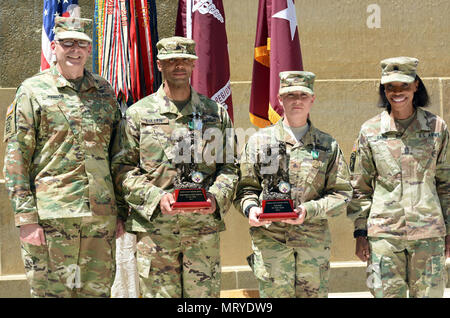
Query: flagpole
[{"x": 189, "y": 19}]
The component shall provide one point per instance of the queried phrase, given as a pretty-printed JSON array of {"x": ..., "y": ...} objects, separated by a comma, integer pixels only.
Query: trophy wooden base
[
  {"x": 277, "y": 210},
  {"x": 190, "y": 199}
]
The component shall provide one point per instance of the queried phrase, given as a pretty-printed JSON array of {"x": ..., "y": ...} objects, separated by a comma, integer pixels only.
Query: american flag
[{"x": 52, "y": 9}]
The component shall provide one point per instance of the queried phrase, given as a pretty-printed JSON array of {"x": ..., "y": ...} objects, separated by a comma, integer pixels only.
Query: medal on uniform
[
  {"x": 315, "y": 154},
  {"x": 277, "y": 204}
]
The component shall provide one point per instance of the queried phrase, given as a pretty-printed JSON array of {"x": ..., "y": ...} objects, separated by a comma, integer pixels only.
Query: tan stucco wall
[
  {"x": 344, "y": 53},
  {"x": 336, "y": 44}
]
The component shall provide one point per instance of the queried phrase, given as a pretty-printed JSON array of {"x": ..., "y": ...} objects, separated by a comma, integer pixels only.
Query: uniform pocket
[
  {"x": 260, "y": 269},
  {"x": 155, "y": 140},
  {"x": 312, "y": 175},
  {"x": 143, "y": 259},
  {"x": 388, "y": 183},
  {"x": 435, "y": 270},
  {"x": 385, "y": 161},
  {"x": 35, "y": 259},
  {"x": 424, "y": 155}
]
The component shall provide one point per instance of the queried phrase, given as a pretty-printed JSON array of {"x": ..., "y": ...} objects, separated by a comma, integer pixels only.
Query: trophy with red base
[
  {"x": 277, "y": 204},
  {"x": 190, "y": 195}
]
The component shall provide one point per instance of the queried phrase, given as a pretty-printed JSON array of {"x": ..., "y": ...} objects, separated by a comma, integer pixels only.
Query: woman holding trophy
[{"x": 293, "y": 177}]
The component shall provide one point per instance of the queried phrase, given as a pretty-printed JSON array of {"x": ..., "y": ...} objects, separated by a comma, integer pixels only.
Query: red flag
[
  {"x": 277, "y": 49},
  {"x": 146, "y": 54},
  {"x": 134, "y": 50},
  {"x": 204, "y": 22}
]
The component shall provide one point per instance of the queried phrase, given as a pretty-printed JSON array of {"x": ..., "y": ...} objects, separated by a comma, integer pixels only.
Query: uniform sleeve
[
  {"x": 226, "y": 176},
  {"x": 22, "y": 120},
  {"x": 362, "y": 180},
  {"x": 249, "y": 187},
  {"x": 122, "y": 206},
  {"x": 443, "y": 179},
  {"x": 132, "y": 184},
  {"x": 337, "y": 192}
]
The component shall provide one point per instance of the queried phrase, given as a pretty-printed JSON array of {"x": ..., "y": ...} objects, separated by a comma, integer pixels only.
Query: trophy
[
  {"x": 189, "y": 191},
  {"x": 277, "y": 204}
]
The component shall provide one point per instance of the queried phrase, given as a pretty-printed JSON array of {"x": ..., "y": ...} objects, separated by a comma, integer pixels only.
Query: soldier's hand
[
  {"x": 447, "y": 246},
  {"x": 166, "y": 204},
  {"x": 362, "y": 248},
  {"x": 301, "y": 211},
  {"x": 211, "y": 199},
  {"x": 32, "y": 234},
  {"x": 253, "y": 217}
]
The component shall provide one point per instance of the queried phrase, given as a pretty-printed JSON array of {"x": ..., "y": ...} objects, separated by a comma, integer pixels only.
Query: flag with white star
[
  {"x": 52, "y": 9},
  {"x": 277, "y": 49}
]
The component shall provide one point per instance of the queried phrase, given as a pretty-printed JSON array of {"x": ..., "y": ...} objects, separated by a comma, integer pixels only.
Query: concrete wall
[{"x": 337, "y": 45}]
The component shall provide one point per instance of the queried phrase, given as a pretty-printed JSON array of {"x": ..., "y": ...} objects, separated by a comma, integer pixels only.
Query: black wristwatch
[
  {"x": 359, "y": 233},
  {"x": 247, "y": 209}
]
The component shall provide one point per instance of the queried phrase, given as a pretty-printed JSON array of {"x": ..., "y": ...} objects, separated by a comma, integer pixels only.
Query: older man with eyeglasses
[{"x": 59, "y": 129}]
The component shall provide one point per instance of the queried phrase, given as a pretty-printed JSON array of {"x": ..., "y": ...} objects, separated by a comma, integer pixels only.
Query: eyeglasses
[{"x": 70, "y": 43}]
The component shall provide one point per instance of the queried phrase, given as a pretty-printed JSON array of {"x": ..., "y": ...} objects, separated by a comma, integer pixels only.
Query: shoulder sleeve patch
[
  {"x": 10, "y": 122},
  {"x": 353, "y": 156}
]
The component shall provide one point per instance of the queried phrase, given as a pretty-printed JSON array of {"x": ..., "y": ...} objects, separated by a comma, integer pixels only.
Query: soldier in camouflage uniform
[
  {"x": 401, "y": 177},
  {"x": 291, "y": 258},
  {"x": 177, "y": 252},
  {"x": 58, "y": 131}
]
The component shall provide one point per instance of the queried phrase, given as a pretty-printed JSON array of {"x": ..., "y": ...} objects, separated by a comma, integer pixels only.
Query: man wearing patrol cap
[
  {"x": 291, "y": 258},
  {"x": 59, "y": 130},
  {"x": 177, "y": 251},
  {"x": 401, "y": 180}
]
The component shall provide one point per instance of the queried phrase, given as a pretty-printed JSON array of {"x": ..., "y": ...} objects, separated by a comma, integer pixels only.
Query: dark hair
[{"x": 421, "y": 98}]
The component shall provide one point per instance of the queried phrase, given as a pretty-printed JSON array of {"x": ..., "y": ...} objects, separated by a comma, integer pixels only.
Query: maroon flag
[
  {"x": 277, "y": 49},
  {"x": 204, "y": 22}
]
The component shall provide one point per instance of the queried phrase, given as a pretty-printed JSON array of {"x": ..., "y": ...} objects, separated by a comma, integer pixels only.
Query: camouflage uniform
[
  {"x": 177, "y": 255},
  {"x": 293, "y": 260},
  {"x": 401, "y": 198},
  {"x": 57, "y": 175}
]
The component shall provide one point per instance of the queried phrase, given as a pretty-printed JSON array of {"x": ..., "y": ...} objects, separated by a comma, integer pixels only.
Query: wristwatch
[
  {"x": 247, "y": 209},
  {"x": 359, "y": 233}
]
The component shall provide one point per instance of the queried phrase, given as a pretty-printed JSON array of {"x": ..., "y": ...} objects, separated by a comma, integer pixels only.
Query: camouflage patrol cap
[
  {"x": 176, "y": 47},
  {"x": 72, "y": 28},
  {"x": 291, "y": 81},
  {"x": 399, "y": 69}
]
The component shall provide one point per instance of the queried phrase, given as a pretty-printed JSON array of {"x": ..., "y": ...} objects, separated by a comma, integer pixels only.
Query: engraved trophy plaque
[{"x": 277, "y": 204}]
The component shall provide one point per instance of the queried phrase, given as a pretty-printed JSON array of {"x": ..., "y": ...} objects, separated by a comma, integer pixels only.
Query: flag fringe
[
  {"x": 262, "y": 55},
  {"x": 258, "y": 121},
  {"x": 274, "y": 117}
]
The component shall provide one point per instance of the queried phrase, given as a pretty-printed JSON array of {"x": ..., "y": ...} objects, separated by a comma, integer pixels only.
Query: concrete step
[
  {"x": 369, "y": 295},
  {"x": 239, "y": 293},
  {"x": 345, "y": 277},
  {"x": 14, "y": 286},
  {"x": 252, "y": 293},
  {"x": 347, "y": 280}
]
